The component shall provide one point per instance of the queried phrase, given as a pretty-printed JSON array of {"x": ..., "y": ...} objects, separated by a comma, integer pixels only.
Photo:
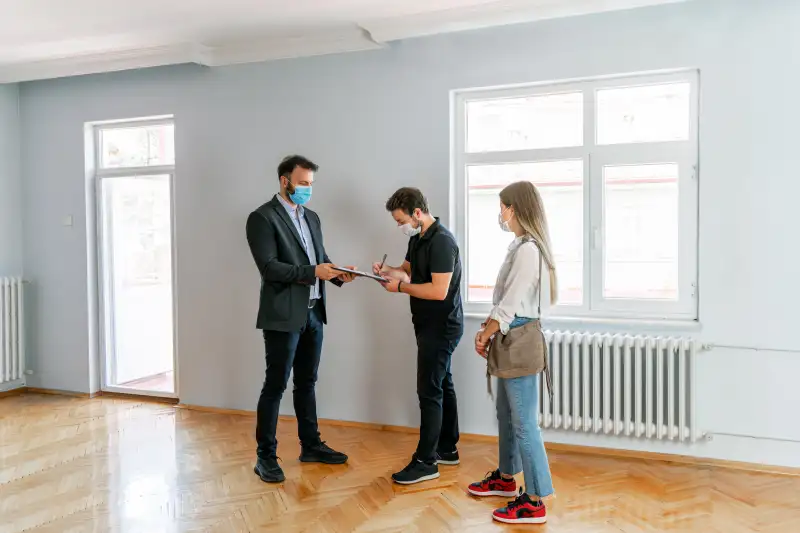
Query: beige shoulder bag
[{"x": 522, "y": 351}]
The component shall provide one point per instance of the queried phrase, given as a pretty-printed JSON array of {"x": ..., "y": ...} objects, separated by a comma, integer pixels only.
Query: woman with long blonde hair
[{"x": 527, "y": 273}]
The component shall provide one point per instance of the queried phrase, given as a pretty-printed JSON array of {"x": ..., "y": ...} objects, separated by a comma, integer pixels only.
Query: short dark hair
[
  {"x": 407, "y": 199},
  {"x": 291, "y": 162}
]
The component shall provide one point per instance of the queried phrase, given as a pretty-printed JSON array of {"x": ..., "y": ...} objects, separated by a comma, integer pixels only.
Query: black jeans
[
  {"x": 286, "y": 351},
  {"x": 438, "y": 430}
]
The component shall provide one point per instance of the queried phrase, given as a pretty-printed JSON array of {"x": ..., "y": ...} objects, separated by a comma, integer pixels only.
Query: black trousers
[
  {"x": 284, "y": 352},
  {"x": 438, "y": 429}
]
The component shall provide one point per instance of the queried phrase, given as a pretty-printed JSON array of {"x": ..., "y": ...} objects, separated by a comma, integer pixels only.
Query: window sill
[{"x": 613, "y": 325}]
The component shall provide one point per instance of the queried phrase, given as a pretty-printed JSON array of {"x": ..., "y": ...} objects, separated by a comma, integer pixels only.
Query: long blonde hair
[{"x": 529, "y": 210}]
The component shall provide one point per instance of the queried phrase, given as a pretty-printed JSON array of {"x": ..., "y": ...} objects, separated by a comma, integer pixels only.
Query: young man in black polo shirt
[{"x": 431, "y": 275}]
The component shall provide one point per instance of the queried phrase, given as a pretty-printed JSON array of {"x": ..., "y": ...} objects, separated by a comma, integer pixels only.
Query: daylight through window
[{"x": 615, "y": 161}]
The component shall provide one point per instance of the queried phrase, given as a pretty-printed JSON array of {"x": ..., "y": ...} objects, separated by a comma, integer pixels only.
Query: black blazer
[{"x": 287, "y": 274}]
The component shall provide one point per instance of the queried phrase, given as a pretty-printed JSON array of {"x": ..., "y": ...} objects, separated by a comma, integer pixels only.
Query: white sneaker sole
[
  {"x": 521, "y": 520},
  {"x": 447, "y": 463},
  {"x": 506, "y": 494},
  {"x": 419, "y": 480}
]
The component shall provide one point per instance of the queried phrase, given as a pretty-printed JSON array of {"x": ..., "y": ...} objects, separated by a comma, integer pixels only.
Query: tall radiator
[
  {"x": 12, "y": 333},
  {"x": 620, "y": 385}
]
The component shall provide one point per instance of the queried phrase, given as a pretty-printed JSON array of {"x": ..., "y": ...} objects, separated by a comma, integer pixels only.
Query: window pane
[
  {"x": 560, "y": 184},
  {"x": 137, "y": 146},
  {"x": 546, "y": 121},
  {"x": 650, "y": 113},
  {"x": 641, "y": 232}
]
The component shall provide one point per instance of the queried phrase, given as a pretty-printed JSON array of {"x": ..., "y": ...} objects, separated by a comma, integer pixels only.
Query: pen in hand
[{"x": 383, "y": 261}]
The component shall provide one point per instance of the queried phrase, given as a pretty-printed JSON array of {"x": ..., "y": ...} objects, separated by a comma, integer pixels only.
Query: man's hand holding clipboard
[{"x": 359, "y": 274}]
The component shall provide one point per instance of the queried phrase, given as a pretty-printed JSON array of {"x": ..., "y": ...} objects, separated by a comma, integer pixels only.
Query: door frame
[{"x": 105, "y": 331}]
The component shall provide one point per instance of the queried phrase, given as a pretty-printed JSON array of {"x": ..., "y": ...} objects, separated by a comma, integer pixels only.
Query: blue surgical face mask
[
  {"x": 301, "y": 194},
  {"x": 298, "y": 194}
]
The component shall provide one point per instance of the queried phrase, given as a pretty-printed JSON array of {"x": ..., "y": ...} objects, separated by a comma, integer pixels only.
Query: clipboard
[{"x": 360, "y": 274}]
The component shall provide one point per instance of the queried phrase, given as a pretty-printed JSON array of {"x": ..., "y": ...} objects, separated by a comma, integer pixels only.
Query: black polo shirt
[{"x": 436, "y": 252}]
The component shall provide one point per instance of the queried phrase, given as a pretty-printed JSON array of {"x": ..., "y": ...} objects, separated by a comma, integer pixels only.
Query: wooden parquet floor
[{"x": 74, "y": 466}]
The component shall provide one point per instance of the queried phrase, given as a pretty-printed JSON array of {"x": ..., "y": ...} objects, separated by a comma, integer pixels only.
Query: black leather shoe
[
  {"x": 269, "y": 471},
  {"x": 321, "y": 453}
]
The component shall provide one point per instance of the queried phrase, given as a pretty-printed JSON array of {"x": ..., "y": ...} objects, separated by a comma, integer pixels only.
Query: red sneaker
[
  {"x": 494, "y": 485},
  {"x": 523, "y": 510}
]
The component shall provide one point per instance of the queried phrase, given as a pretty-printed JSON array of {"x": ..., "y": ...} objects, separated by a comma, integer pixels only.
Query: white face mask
[
  {"x": 409, "y": 230},
  {"x": 503, "y": 223}
]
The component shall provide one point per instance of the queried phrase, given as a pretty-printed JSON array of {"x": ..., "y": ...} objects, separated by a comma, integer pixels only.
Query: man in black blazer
[{"x": 286, "y": 242}]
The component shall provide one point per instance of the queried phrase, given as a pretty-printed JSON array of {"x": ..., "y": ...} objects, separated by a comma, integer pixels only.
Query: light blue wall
[
  {"x": 379, "y": 120},
  {"x": 10, "y": 183}
]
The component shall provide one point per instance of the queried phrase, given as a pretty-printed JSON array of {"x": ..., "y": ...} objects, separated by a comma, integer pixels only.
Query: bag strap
[
  {"x": 548, "y": 378},
  {"x": 547, "y": 375},
  {"x": 539, "y": 305}
]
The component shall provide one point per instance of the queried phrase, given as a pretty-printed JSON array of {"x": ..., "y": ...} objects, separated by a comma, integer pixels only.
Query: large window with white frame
[{"x": 615, "y": 160}]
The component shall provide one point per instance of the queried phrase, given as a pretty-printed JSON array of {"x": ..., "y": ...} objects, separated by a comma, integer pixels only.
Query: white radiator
[
  {"x": 621, "y": 385},
  {"x": 12, "y": 333}
]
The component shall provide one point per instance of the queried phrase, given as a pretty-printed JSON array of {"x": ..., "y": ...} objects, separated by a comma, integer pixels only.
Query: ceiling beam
[
  {"x": 498, "y": 13},
  {"x": 365, "y": 35}
]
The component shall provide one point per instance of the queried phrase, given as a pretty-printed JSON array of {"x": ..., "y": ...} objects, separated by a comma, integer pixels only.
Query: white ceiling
[{"x": 55, "y": 38}]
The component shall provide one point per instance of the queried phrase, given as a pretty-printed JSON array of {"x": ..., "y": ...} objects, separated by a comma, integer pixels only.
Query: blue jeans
[
  {"x": 519, "y": 321},
  {"x": 521, "y": 444}
]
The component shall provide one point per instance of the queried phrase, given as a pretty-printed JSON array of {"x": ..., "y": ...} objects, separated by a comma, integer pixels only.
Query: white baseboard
[
  {"x": 726, "y": 448},
  {"x": 12, "y": 385}
]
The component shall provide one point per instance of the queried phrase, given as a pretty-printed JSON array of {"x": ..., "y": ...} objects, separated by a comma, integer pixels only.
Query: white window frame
[
  {"x": 595, "y": 157},
  {"x": 100, "y": 175}
]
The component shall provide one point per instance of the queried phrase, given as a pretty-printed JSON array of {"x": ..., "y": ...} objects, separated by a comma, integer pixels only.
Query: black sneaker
[
  {"x": 268, "y": 470},
  {"x": 416, "y": 472},
  {"x": 322, "y": 453},
  {"x": 447, "y": 458}
]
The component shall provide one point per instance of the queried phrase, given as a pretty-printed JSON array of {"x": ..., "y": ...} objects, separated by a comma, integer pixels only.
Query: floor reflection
[{"x": 108, "y": 466}]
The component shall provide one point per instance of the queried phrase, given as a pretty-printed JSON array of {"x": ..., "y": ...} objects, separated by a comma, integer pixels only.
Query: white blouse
[{"x": 516, "y": 292}]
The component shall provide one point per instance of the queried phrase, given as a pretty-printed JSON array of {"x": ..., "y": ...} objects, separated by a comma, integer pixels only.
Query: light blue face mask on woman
[{"x": 301, "y": 194}]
